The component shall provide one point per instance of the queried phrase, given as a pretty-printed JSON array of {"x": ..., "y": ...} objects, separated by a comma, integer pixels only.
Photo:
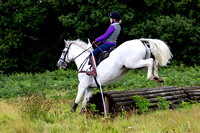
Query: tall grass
[{"x": 179, "y": 120}]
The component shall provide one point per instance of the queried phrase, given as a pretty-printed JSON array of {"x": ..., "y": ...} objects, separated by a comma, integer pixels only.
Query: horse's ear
[
  {"x": 89, "y": 44},
  {"x": 65, "y": 41}
]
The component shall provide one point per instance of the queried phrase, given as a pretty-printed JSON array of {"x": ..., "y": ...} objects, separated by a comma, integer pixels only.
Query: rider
[{"x": 108, "y": 40}]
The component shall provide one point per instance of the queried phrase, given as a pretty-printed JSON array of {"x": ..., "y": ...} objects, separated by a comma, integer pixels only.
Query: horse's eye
[{"x": 63, "y": 51}]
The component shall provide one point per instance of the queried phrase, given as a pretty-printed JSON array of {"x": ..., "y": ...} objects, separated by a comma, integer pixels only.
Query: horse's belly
[{"x": 114, "y": 77}]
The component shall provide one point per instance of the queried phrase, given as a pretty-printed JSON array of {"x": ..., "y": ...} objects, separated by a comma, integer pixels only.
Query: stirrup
[{"x": 90, "y": 74}]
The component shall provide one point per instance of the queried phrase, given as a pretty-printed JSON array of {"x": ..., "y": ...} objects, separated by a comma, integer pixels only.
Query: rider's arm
[{"x": 106, "y": 35}]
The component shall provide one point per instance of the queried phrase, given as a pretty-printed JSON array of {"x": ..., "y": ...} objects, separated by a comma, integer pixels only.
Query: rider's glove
[{"x": 94, "y": 42}]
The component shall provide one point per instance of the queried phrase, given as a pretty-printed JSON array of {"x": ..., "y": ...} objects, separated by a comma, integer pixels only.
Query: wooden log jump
[{"x": 117, "y": 100}]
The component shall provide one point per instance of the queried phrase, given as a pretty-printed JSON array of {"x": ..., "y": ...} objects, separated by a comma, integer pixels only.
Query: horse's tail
[{"x": 160, "y": 50}]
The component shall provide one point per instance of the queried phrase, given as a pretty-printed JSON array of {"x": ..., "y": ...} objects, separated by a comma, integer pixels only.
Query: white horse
[{"x": 131, "y": 54}]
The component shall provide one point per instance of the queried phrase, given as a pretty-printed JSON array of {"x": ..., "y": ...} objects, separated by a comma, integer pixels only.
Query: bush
[
  {"x": 162, "y": 103},
  {"x": 141, "y": 104},
  {"x": 24, "y": 83}
]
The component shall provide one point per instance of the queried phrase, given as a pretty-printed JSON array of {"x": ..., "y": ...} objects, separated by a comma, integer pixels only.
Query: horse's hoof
[
  {"x": 157, "y": 79},
  {"x": 74, "y": 107},
  {"x": 83, "y": 111},
  {"x": 153, "y": 78},
  {"x": 72, "y": 110},
  {"x": 161, "y": 80}
]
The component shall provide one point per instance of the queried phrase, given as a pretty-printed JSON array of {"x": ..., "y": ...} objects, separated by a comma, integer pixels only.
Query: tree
[
  {"x": 32, "y": 32},
  {"x": 28, "y": 31}
]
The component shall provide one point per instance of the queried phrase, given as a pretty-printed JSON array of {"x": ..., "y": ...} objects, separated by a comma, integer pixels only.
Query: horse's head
[{"x": 65, "y": 57}]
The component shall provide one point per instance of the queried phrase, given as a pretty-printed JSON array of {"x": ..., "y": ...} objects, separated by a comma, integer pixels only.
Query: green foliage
[
  {"x": 185, "y": 104},
  {"x": 141, "y": 104},
  {"x": 88, "y": 21},
  {"x": 162, "y": 103},
  {"x": 19, "y": 20},
  {"x": 66, "y": 81},
  {"x": 24, "y": 83},
  {"x": 93, "y": 108},
  {"x": 123, "y": 112},
  {"x": 188, "y": 104}
]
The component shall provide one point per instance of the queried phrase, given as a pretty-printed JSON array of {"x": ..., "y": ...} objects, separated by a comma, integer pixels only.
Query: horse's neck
[{"x": 81, "y": 56}]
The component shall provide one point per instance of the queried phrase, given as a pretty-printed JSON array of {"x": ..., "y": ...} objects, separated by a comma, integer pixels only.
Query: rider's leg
[
  {"x": 94, "y": 53},
  {"x": 104, "y": 46},
  {"x": 97, "y": 51},
  {"x": 93, "y": 72}
]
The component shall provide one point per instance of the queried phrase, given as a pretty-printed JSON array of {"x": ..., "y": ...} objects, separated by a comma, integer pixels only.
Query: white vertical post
[{"x": 104, "y": 106}]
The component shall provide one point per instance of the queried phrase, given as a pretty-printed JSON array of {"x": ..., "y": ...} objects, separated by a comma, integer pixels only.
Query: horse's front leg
[
  {"x": 88, "y": 93},
  {"x": 81, "y": 91}
]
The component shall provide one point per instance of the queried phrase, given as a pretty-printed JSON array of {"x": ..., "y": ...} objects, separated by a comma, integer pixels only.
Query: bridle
[
  {"x": 64, "y": 62},
  {"x": 64, "y": 59}
]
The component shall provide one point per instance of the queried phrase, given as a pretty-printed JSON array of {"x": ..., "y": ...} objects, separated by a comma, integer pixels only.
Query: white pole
[{"x": 104, "y": 106}]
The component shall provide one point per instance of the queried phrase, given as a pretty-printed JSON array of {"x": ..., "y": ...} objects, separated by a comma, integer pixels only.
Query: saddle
[{"x": 103, "y": 55}]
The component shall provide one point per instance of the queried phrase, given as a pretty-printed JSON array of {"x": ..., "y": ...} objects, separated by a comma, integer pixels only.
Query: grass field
[
  {"x": 179, "y": 121},
  {"x": 41, "y": 102}
]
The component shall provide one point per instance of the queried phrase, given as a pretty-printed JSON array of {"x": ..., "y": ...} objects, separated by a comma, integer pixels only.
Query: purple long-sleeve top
[{"x": 110, "y": 31}]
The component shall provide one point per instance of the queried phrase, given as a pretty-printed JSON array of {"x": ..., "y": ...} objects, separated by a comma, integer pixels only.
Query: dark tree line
[{"x": 32, "y": 32}]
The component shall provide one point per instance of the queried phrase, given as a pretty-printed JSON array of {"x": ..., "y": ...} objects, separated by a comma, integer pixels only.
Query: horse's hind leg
[
  {"x": 149, "y": 64},
  {"x": 158, "y": 79},
  {"x": 143, "y": 63},
  {"x": 156, "y": 68}
]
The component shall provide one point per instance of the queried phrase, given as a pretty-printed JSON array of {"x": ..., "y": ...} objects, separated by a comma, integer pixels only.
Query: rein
[
  {"x": 83, "y": 63},
  {"x": 81, "y": 53}
]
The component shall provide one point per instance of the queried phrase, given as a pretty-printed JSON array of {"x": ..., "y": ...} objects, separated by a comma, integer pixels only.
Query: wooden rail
[{"x": 118, "y": 100}]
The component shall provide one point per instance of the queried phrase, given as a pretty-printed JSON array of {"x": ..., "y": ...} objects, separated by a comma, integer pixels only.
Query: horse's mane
[{"x": 77, "y": 42}]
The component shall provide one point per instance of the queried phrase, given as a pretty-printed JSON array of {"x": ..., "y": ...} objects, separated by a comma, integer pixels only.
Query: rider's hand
[{"x": 94, "y": 42}]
